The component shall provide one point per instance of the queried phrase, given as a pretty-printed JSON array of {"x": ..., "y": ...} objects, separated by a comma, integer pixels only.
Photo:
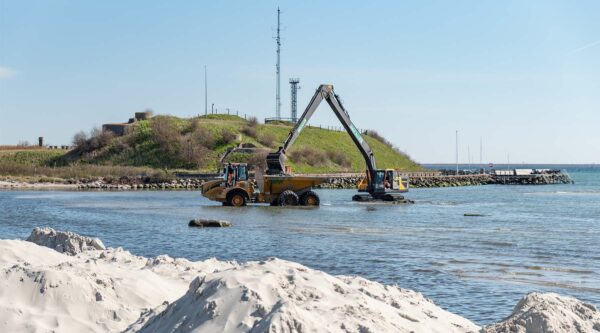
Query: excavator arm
[{"x": 276, "y": 160}]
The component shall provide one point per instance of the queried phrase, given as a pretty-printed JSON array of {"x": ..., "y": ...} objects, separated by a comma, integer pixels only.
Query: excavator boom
[
  {"x": 276, "y": 160},
  {"x": 380, "y": 184}
]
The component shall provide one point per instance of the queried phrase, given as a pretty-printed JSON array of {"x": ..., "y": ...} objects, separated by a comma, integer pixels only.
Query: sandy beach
[
  {"x": 71, "y": 283},
  {"x": 6, "y": 184}
]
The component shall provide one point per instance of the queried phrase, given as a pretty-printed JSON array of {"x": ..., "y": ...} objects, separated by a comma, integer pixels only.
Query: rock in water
[
  {"x": 64, "y": 242},
  {"x": 209, "y": 223},
  {"x": 549, "y": 313}
]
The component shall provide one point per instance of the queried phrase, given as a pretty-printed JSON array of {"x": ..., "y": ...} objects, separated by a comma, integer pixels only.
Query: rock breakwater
[{"x": 350, "y": 181}]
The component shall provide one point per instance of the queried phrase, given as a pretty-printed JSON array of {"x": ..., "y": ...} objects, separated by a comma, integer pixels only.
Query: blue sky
[{"x": 522, "y": 75}]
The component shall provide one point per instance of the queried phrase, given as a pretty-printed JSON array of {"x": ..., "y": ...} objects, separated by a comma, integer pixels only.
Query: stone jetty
[{"x": 334, "y": 181}]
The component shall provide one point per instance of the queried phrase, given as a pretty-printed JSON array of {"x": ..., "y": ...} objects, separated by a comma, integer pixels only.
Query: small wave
[
  {"x": 425, "y": 270},
  {"x": 435, "y": 263},
  {"x": 532, "y": 281},
  {"x": 528, "y": 274},
  {"x": 36, "y": 196},
  {"x": 564, "y": 193},
  {"x": 456, "y": 261},
  {"x": 497, "y": 243},
  {"x": 558, "y": 269}
]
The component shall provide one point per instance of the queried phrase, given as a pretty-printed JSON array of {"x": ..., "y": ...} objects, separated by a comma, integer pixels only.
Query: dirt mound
[{"x": 549, "y": 313}]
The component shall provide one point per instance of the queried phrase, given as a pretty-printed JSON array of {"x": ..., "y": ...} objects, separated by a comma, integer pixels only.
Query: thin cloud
[
  {"x": 6, "y": 72},
  {"x": 585, "y": 47}
]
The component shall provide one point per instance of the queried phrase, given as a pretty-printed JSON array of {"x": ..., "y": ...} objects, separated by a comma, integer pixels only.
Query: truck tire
[
  {"x": 310, "y": 198},
  {"x": 288, "y": 198},
  {"x": 236, "y": 199}
]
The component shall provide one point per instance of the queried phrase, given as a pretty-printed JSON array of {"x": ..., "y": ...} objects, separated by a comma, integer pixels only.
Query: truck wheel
[
  {"x": 288, "y": 198},
  {"x": 236, "y": 199},
  {"x": 310, "y": 198}
]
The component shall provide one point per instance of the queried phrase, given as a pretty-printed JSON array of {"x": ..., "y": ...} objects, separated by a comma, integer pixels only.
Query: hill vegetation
[{"x": 166, "y": 143}]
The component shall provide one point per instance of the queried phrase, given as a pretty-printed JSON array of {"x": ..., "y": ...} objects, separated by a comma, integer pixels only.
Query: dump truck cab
[{"x": 232, "y": 188}]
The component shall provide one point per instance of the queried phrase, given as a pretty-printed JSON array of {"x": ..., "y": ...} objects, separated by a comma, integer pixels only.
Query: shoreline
[
  {"x": 56, "y": 276},
  {"x": 334, "y": 181}
]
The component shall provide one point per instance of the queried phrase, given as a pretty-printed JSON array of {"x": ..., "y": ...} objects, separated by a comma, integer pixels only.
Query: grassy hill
[{"x": 171, "y": 143}]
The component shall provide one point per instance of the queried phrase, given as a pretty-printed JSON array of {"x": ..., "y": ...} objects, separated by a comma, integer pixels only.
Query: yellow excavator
[
  {"x": 278, "y": 187},
  {"x": 378, "y": 184}
]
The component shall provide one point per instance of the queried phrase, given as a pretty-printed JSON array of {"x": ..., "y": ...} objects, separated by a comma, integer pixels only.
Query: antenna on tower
[
  {"x": 278, "y": 70},
  {"x": 294, "y": 85}
]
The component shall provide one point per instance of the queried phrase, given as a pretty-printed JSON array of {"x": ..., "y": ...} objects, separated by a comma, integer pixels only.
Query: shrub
[
  {"x": 203, "y": 137},
  {"x": 194, "y": 126},
  {"x": 267, "y": 139},
  {"x": 308, "y": 156},
  {"x": 252, "y": 122},
  {"x": 167, "y": 138},
  {"x": 249, "y": 131},
  {"x": 227, "y": 136},
  {"x": 375, "y": 135},
  {"x": 97, "y": 139},
  {"x": 80, "y": 141},
  {"x": 339, "y": 158},
  {"x": 192, "y": 154}
]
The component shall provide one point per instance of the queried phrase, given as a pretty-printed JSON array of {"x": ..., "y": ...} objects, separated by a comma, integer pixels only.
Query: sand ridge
[{"x": 92, "y": 289}]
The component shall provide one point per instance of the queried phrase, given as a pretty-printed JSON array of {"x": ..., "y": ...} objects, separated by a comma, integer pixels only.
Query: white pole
[
  {"x": 480, "y": 150},
  {"x": 205, "y": 92},
  {"x": 469, "y": 156},
  {"x": 457, "y": 152}
]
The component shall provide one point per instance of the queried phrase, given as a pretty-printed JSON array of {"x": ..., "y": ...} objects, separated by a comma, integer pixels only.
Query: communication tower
[{"x": 294, "y": 86}]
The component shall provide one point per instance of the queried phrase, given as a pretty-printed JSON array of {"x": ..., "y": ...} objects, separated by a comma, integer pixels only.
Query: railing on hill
[
  {"x": 292, "y": 121},
  {"x": 227, "y": 112}
]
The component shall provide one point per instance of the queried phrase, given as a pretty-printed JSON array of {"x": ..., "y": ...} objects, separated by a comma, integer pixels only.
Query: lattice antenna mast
[
  {"x": 294, "y": 93},
  {"x": 278, "y": 70}
]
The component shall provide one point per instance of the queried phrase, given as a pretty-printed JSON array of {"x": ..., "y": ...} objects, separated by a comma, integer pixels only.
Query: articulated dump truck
[
  {"x": 278, "y": 187},
  {"x": 236, "y": 189}
]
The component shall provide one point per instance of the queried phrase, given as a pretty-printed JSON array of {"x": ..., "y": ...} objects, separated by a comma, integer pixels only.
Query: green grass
[
  {"x": 138, "y": 150},
  {"x": 37, "y": 157}
]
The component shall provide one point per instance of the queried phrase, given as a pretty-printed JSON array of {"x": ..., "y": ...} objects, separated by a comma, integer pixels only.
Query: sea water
[{"x": 530, "y": 238}]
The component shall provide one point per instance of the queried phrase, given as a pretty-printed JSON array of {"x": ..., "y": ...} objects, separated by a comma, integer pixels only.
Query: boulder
[{"x": 209, "y": 223}]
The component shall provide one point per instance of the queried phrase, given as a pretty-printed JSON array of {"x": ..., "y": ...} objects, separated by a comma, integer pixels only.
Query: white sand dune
[
  {"x": 42, "y": 290},
  {"x": 282, "y": 296},
  {"x": 549, "y": 313},
  {"x": 111, "y": 290}
]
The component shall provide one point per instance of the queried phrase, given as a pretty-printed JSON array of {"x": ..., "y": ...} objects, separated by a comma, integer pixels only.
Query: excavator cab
[{"x": 386, "y": 184}]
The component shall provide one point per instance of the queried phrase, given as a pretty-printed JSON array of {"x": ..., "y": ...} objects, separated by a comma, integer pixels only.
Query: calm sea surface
[{"x": 532, "y": 238}]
